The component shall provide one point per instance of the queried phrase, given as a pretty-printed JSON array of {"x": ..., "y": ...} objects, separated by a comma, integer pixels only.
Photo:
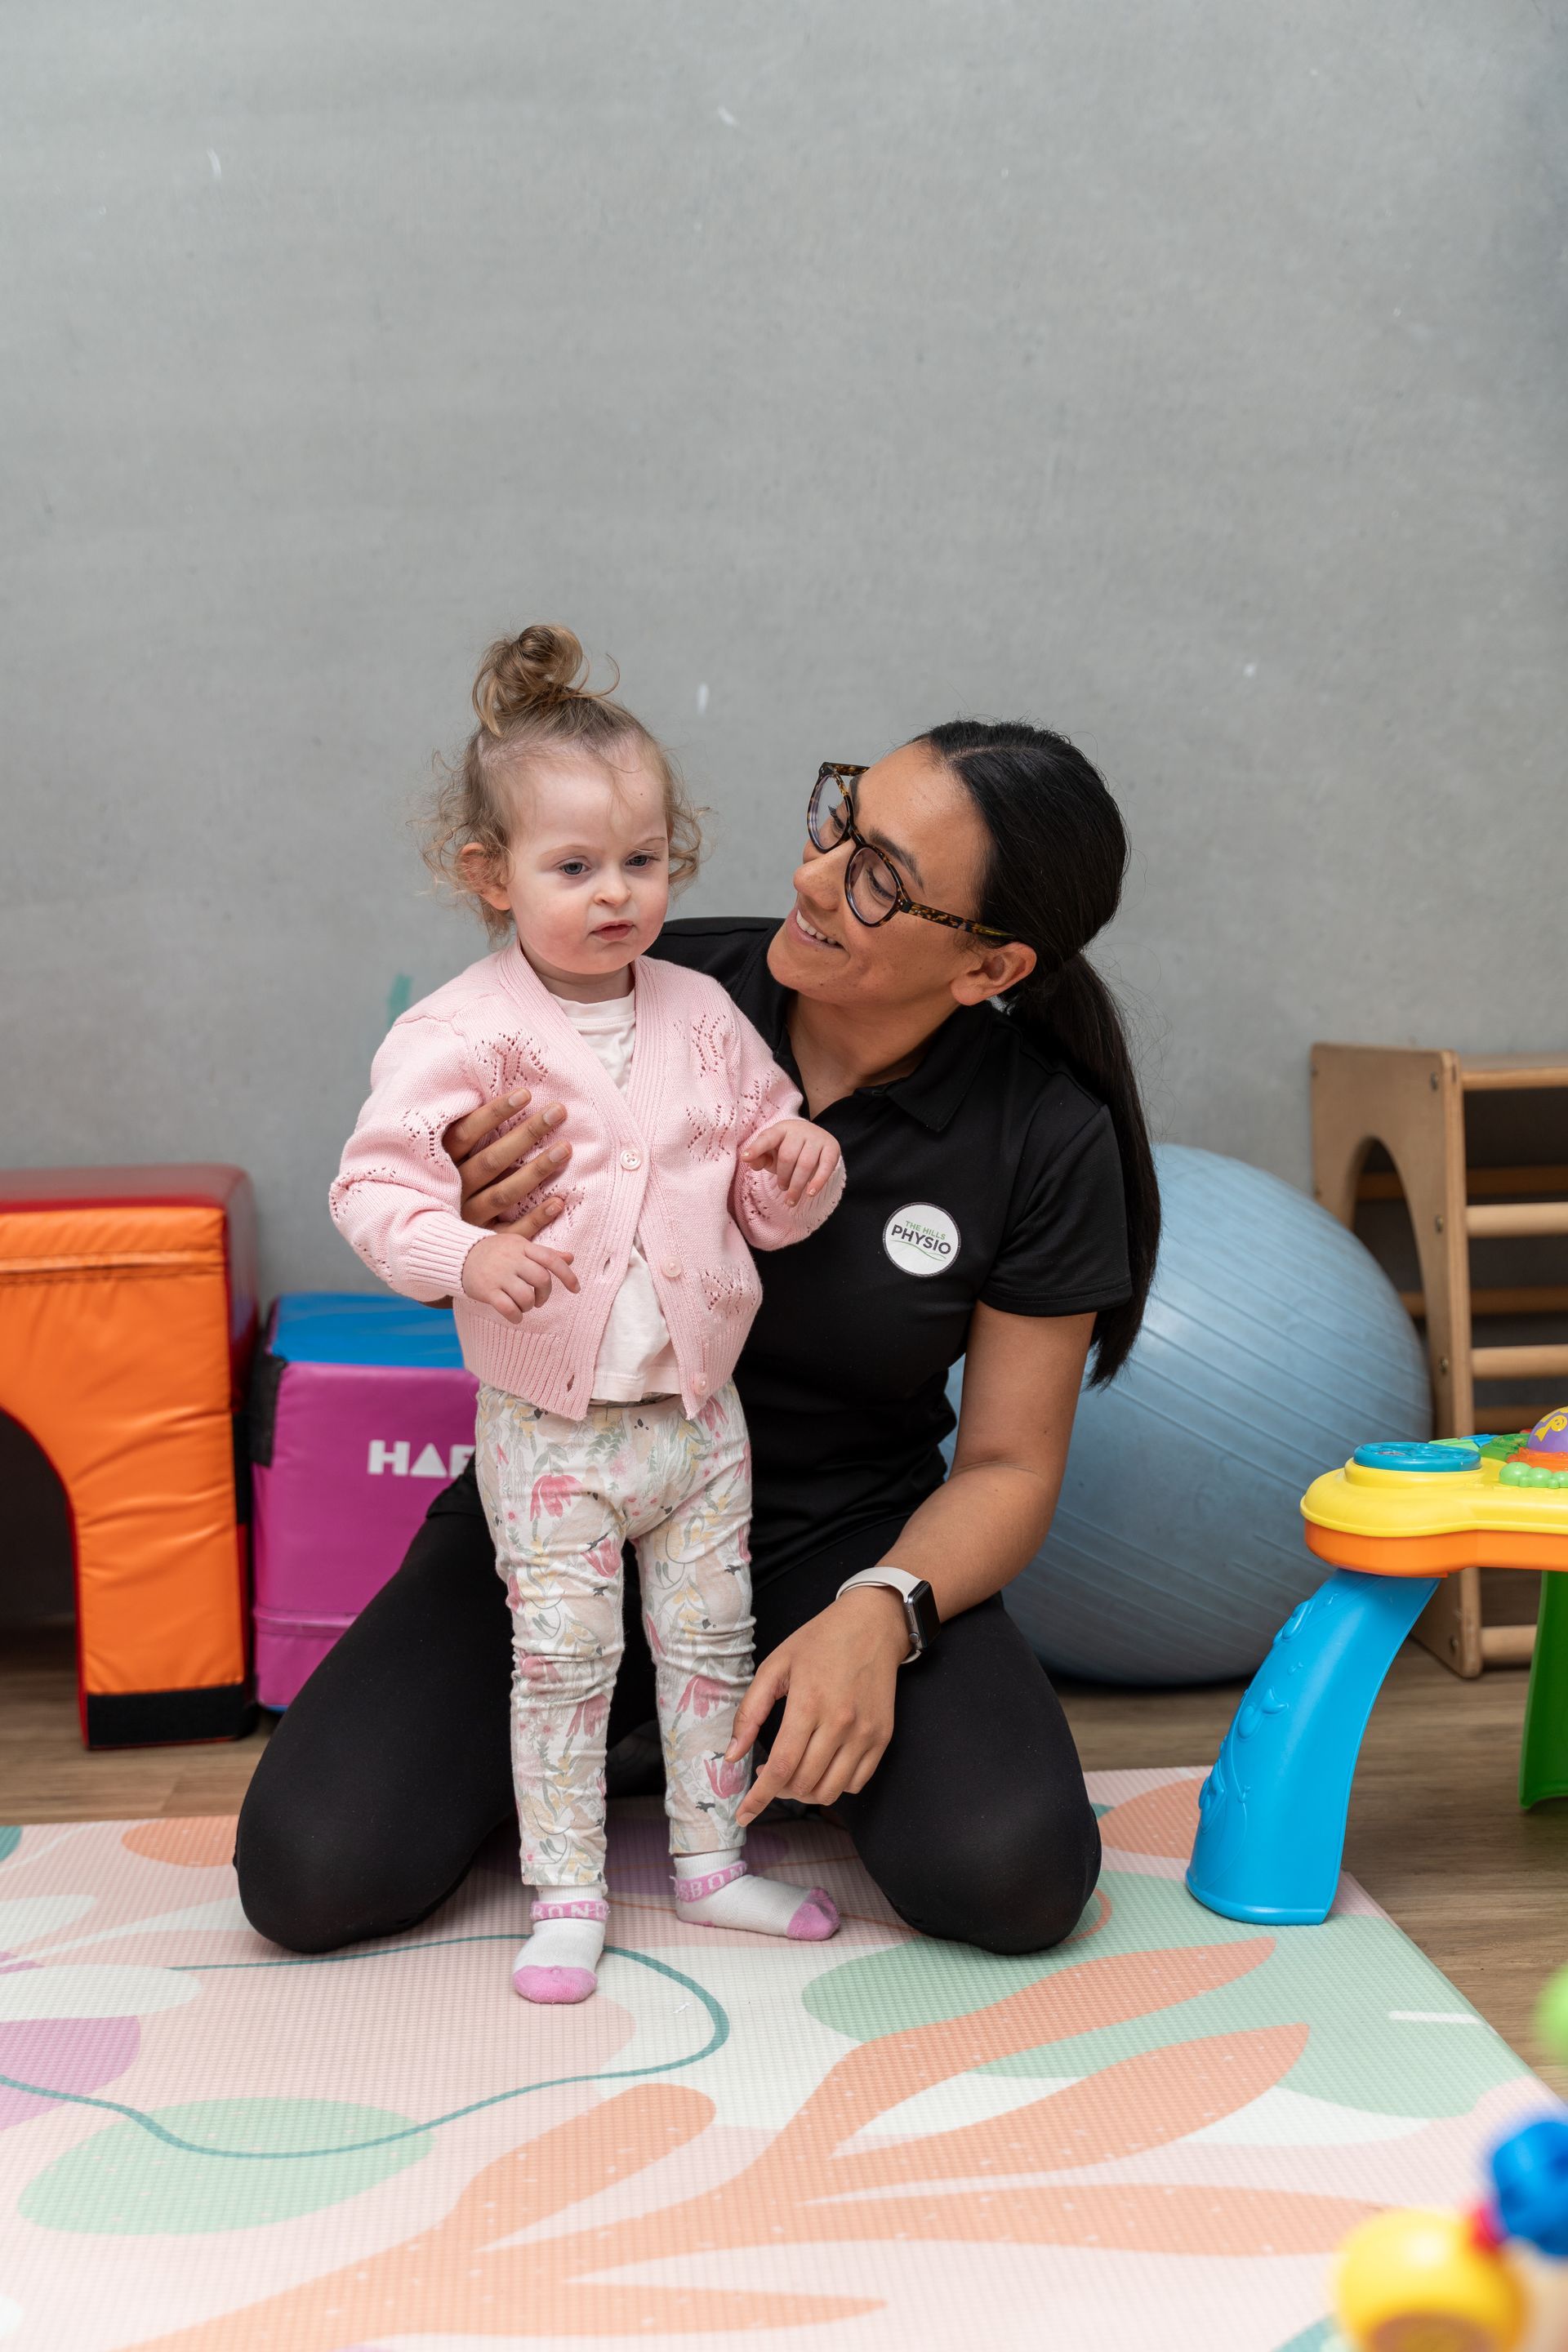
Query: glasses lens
[
  {"x": 827, "y": 818},
  {"x": 871, "y": 887}
]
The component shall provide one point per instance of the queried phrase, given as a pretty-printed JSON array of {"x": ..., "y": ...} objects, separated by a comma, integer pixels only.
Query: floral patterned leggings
[{"x": 561, "y": 1497}]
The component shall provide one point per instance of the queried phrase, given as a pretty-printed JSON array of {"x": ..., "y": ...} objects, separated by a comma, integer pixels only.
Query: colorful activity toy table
[
  {"x": 127, "y": 1315},
  {"x": 1394, "y": 1521}
]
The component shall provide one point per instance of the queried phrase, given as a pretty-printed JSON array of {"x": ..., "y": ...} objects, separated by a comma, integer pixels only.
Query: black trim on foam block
[
  {"x": 168, "y": 1718},
  {"x": 239, "y": 1430},
  {"x": 266, "y": 1372}
]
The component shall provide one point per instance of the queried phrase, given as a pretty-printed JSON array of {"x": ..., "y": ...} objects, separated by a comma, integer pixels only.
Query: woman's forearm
[
  {"x": 973, "y": 1535},
  {"x": 838, "y": 1674},
  {"x": 1021, "y": 1379}
]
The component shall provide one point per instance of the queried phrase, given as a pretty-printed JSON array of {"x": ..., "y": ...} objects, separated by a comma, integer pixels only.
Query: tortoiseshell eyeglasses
[{"x": 871, "y": 880}]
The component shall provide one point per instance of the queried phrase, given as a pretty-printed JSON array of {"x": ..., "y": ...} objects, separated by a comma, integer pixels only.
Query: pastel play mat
[{"x": 1152, "y": 2137}]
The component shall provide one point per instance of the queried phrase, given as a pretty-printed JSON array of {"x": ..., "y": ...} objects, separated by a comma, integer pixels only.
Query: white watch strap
[{"x": 897, "y": 1580}]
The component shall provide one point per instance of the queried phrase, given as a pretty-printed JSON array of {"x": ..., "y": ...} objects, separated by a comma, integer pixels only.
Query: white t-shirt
[{"x": 635, "y": 1357}]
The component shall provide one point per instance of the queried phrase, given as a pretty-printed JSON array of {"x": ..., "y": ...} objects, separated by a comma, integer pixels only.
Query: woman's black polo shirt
[{"x": 988, "y": 1173}]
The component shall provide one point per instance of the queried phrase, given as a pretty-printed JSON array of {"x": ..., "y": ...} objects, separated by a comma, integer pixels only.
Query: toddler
[{"x": 607, "y": 1409}]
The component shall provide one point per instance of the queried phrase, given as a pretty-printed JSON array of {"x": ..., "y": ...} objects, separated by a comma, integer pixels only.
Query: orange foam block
[{"x": 127, "y": 1316}]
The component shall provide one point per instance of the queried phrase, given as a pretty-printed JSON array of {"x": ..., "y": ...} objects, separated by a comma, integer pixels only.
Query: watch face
[{"x": 920, "y": 1610}]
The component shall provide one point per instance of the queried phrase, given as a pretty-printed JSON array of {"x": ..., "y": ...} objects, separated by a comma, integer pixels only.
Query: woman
[{"x": 1001, "y": 1205}]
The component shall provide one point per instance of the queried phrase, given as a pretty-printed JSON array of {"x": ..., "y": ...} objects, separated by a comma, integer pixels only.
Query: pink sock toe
[
  {"x": 560, "y": 1984},
  {"x": 817, "y": 1919}
]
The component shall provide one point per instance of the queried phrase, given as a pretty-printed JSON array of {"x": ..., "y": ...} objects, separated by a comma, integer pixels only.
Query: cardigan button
[
  {"x": 631, "y": 1159},
  {"x": 671, "y": 1269},
  {"x": 700, "y": 1385}
]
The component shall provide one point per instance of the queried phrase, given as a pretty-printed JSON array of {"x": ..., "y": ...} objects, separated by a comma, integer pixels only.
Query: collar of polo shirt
[{"x": 930, "y": 1092}]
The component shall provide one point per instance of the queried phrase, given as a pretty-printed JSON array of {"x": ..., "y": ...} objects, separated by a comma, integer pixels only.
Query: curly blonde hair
[{"x": 532, "y": 697}]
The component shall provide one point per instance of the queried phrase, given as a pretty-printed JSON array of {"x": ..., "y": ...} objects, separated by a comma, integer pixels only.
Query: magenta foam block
[{"x": 361, "y": 1413}]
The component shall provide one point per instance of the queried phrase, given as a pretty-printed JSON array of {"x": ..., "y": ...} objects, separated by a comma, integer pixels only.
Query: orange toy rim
[{"x": 1436, "y": 1555}]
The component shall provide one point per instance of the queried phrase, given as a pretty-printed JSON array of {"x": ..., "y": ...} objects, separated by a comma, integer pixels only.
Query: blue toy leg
[{"x": 1273, "y": 1809}]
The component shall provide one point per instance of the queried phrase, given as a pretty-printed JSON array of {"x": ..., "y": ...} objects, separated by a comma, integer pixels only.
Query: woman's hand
[
  {"x": 498, "y": 1171},
  {"x": 837, "y": 1676},
  {"x": 512, "y": 1273}
]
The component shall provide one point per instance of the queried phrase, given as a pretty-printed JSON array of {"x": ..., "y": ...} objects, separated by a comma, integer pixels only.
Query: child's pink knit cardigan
[{"x": 659, "y": 1160}]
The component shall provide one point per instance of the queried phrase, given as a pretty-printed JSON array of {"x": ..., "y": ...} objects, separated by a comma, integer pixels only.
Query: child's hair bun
[
  {"x": 533, "y": 701},
  {"x": 530, "y": 672}
]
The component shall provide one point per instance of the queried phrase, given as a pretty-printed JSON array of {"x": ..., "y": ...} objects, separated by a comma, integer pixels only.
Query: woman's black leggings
[{"x": 392, "y": 1765}]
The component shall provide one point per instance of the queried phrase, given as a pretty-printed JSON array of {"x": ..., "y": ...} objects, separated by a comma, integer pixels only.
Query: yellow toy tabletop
[{"x": 1407, "y": 1510}]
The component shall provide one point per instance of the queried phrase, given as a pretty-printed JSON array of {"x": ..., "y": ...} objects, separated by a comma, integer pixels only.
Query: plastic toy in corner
[
  {"x": 1486, "y": 2280},
  {"x": 1389, "y": 1524},
  {"x": 1404, "y": 1509}
]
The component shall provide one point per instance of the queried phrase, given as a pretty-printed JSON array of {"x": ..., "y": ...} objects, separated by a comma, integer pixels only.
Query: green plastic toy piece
[
  {"x": 1552, "y": 2016},
  {"x": 1544, "y": 1751}
]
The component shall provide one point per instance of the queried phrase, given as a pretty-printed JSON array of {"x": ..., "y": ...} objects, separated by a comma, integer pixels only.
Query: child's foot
[
  {"x": 559, "y": 1961},
  {"x": 717, "y": 1890}
]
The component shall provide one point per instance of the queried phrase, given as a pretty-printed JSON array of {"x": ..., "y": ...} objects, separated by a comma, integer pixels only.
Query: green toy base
[{"x": 1543, "y": 1749}]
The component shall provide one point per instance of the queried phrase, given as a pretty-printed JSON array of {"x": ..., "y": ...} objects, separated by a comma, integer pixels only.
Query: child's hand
[
  {"x": 511, "y": 1275},
  {"x": 802, "y": 1157}
]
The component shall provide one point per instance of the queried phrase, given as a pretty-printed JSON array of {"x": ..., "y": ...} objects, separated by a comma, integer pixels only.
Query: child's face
[{"x": 588, "y": 882}]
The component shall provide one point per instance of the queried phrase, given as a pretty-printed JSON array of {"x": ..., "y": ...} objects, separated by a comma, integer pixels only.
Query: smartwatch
[{"x": 919, "y": 1606}]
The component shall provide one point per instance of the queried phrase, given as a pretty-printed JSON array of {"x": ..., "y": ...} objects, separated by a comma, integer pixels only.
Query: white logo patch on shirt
[{"x": 921, "y": 1239}]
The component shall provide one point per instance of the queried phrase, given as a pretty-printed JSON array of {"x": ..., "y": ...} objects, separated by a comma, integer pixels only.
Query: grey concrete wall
[{"x": 1188, "y": 376}]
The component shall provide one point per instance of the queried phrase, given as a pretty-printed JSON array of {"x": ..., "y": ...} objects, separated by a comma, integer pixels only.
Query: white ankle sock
[
  {"x": 559, "y": 1961},
  {"x": 716, "y": 1890}
]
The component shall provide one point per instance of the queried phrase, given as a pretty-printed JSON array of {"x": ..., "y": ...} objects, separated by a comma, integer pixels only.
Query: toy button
[{"x": 1424, "y": 1460}]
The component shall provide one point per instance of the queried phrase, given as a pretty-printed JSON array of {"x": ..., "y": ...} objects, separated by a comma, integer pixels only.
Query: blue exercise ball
[{"x": 1273, "y": 1345}]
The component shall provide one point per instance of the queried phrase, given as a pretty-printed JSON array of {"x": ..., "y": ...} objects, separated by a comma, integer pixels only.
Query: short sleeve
[{"x": 1065, "y": 1249}]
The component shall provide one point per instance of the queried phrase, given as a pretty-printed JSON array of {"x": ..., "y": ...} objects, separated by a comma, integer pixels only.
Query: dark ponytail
[{"x": 1053, "y": 880}]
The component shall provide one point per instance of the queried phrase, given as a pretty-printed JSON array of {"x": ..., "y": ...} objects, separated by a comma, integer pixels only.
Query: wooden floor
[{"x": 1436, "y": 1832}]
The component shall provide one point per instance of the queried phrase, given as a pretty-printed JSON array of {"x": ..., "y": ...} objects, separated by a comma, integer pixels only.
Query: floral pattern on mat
[{"x": 1157, "y": 2133}]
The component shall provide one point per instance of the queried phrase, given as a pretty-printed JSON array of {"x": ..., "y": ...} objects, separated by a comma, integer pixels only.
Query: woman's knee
[
  {"x": 1014, "y": 1886},
  {"x": 296, "y": 1888},
  {"x": 312, "y": 1880}
]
